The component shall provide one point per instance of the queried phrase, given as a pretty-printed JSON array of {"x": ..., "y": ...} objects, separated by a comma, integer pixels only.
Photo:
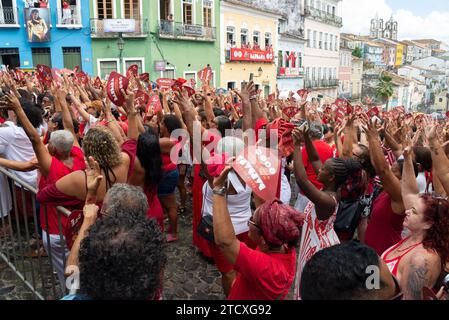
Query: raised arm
[
  {"x": 314, "y": 158},
  {"x": 390, "y": 182},
  {"x": 246, "y": 105},
  {"x": 66, "y": 117},
  {"x": 43, "y": 156},
  {"x": 18, "y": 165},
  {"x": 324, "y": 203},
  {"x": 409, "y": 186},
  {"x": 133, "y": 132},
  {"x": 439, "y": 160}
]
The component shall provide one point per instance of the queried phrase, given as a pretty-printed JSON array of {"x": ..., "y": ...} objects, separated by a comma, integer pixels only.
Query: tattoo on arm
[{"x": 417, "y": 280}]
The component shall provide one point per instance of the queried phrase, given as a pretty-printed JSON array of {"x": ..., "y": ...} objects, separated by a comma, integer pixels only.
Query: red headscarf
[{"x": 280, "y": 223}]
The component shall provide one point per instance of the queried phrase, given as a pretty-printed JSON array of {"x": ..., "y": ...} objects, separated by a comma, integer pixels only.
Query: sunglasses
[{"x": 251, "y": 222}]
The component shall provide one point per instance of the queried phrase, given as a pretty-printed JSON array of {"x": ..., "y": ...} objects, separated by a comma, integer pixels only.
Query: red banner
[
  {"x": 205, "y": 75},
  {"x": 114, "y": 87},
  {"x": 155, "y": 102},
  {"x": 44, "y": 74},
  {"x": 251, "y": 55},
  {"x": 260, "y": 168},
  {"x": 141, "y": 99},
  {"x": 165, "y": 83},
  {"x": 290, "y": 111}
]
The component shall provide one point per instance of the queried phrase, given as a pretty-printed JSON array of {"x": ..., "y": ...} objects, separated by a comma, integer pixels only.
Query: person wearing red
[
  {"x": 62, "y": 157},
  {"x": 266, "y": 273},
  {"x": 324, "y": 151}
]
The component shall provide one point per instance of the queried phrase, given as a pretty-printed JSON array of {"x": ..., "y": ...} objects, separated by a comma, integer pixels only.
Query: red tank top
[{"x": 393, "y": 264}]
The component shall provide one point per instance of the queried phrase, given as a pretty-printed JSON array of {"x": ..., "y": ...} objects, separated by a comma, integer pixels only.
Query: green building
[{"x": 169, "y": 38}]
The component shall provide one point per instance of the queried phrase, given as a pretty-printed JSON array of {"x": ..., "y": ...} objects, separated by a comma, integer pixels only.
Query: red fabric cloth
[
  {"x": 384, "y": 227},
  {"x": 259, "y": 125},
  {"x": 155, "y": 210},
  {"x": 263, "y": 276},
  {"x": 130, "y": 148},
  {"x": 325, "y": 152},
  {"x": 221, "y": 262},
  {"x": 197, "y": 191},
  {"x": 58, "y": 170},
  {"x": 167, "y": 164}
]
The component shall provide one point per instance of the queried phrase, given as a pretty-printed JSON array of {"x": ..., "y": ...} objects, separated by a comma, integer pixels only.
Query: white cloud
[{"x": 357, "y": 15}]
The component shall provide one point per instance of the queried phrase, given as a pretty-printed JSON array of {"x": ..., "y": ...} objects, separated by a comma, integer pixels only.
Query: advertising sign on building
[
  {"x": 190, "y": 30},
  {"x": 38, "y": 24},
  {"x": 238, "y": 54},
  {"x": 119, "y": 25}
]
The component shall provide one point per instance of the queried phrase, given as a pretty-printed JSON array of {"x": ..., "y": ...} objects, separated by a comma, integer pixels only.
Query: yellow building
[
  {"x": 399, "y": 55},
  {"x": 249, "y": 40}
]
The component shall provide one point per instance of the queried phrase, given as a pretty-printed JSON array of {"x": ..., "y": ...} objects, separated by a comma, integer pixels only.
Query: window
[
  {"x": 320, "y": 42},
  {"x": 8, "y": 12},
  {"x": 324, "y": 73},
  {"x": 70, "y": 15},
  {"x": 187, "y": 11},
  {"x": 309, "y": 38},
  {"x": 244, "y": 36},
  {"x": 331, "y": 41},
  {"x": 106, "y": 67},
  {"x": 319, "y": 73},
  {"x": 308, "y": 73},
  {"x": 71, "y": 57},
  {"x": 41, "y": 56},
  {"x": 207, "y": 13},
  {"x": 190, "y": 75},
  {"x": 256, "y": 37},
  {"x": 165, "y": 9},
  {"x": 267, "y": 39},
  {"x": 105, "y": 9},
  {"x": 314, "y": 39},
  {"x": 441, "y": 99},
  {"x": 230, "y": 35},
  {"x": 336, "y": 43},
  {"x": 132, "y": 9},
  {"x": 313, "y": 73},
  {"x": 10, "y": 57},
  {"x": 325, "y": 41},
  {"x": 281, "y": 59},
  {"x": 168, "y": 73},
  {"x": 128, "y": 62}
]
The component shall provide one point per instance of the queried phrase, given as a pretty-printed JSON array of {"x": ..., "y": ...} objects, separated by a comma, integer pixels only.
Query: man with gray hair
[
  {"x": 60, "y": 144},
  {"x": 315, "y": 137},
  {"x": 123, "y": 197}
]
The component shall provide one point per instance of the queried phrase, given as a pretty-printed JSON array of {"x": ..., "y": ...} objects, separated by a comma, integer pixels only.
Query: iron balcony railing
[
  {"x": 97, "y": 30},
  {"x": 9, "y": 16},
  {"x": 323, "y": 83},
  {"x": 181, "y": 31},
  {"x": 69, "y": 17},
  {"x": 323, "y": 16}
]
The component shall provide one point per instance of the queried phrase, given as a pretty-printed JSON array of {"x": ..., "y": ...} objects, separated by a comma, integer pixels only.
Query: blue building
[{"x": 57, "y": 36}]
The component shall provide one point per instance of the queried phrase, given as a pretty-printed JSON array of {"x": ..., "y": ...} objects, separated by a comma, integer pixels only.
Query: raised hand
[{"x": 94, "y": 176}]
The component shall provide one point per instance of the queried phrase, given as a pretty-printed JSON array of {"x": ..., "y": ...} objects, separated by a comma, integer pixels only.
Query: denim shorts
[{"x": 168, "y": 183}]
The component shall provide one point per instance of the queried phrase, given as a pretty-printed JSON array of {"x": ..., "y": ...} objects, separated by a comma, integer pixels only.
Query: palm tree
[{"x": 385, "y": 88}]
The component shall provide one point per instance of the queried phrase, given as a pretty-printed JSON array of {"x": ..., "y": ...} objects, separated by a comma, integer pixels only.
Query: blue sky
[
  {"x": 419, "y": 7},
  {"x": 417, "y": 19}
]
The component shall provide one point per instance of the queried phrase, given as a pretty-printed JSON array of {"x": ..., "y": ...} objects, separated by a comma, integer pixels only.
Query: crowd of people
[{"x": 360, "y": 210}]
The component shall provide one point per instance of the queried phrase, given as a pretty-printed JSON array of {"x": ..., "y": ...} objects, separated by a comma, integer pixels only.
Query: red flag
[
  {"x": 114, "y": 87},
  {"x": 141, "y": 99},
  {"x": 132, "y": 70},
  {"x": 290, "y": 111},
  {"x": 98, "y": 83},
  {"x": 303, "y": 93},
  {"x": 205, "y": 75},
  {"x": 340, "y": 114},
  {"x": 374, "y": 111},
  {"x": 155, "y": 103},
  {"x": 44, "y": 74},
  {"x": 144, "y": 76},
  {"x": 82, "y": 77},
  {"x": 260, "y": 168},
  {"x": 165, "y": 83}
]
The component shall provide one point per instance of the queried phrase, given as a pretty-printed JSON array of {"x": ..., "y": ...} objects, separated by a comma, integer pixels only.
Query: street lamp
[
  {"x": 260, "y": 71},
  {"x": 120, "y": 45}
]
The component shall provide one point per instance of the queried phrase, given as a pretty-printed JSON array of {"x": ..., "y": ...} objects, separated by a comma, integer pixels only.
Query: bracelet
[{"x": 220, "y": 191}]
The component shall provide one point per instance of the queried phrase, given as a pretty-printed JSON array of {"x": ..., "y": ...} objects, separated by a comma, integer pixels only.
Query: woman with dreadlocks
[
  {"x": 320, "y": 212},
  {"x": 102, "y": 151}
]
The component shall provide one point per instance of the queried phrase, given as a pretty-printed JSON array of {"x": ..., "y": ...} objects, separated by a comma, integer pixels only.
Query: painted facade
[
  {"x": 356, "y": 78},
  {"x": 344, "y": 73},
  {"x": 249, "y": 43},
  {"x": 66, "y": 44}
]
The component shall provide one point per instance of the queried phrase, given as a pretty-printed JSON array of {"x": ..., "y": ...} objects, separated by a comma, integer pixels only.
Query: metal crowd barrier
[{"x": 19, "y": 238}]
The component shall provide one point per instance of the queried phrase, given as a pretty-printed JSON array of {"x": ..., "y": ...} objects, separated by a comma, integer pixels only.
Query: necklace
[{"x": 413, "y": 245}]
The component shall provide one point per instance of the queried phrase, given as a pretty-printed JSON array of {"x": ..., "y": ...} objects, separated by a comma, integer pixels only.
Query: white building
[
  {"x": 433, "y": 63},
  {"x": 416, "y": 51},
  {"x": 321, "y": 59}
]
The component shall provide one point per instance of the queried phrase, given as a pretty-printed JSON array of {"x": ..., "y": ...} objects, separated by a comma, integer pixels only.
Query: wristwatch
[{"x": 220, "y": 191}]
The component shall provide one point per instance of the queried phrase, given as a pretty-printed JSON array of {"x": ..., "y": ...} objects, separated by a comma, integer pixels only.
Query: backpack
[{"x": 349, "y": 215}]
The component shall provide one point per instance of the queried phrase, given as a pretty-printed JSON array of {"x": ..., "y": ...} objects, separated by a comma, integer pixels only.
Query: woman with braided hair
[
  {"x": 321, "y": 211},
  {"x": 104, "y": 152}
]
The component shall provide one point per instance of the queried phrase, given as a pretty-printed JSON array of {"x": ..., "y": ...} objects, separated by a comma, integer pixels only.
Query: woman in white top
[
  {"x": 320, "y": 212},
  {"x": 239, "y": 207}
]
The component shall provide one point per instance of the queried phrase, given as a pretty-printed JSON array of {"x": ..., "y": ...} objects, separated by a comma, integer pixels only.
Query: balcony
[
  {"x": 323, "y": 83},
  {"x": 9, "y": 17},
  {"x": 180, "y": 31},
  {"x": 289, "y": 73},
  {"x": 323, "y": 16},
  {"x": 97, "y": 30},
  {"x": 70, "y": 18}
]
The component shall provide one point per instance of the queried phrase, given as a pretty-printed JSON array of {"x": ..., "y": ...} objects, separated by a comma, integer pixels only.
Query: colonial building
[
  {"x": 356, "y": 78},
  {"x": 249, "y": 45},
  {"x": 61, "y": 42},
  {"x": 344, "y": 73},
  {"x": 322, "y": 59},
  {"x": 387, "y": 30}
]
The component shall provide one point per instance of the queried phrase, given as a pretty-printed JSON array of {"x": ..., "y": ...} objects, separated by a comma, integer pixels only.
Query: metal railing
[
  {"x": 21, "y": 244},
  {"x": 176, "y": 30},
  {"x": 323, "y": 16},
  {"x": 323, "y": 83},
  {"x": 8, "y": 15},
  {"x": 69, "y": 17},
  {"x": 97, "y": 30}
]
